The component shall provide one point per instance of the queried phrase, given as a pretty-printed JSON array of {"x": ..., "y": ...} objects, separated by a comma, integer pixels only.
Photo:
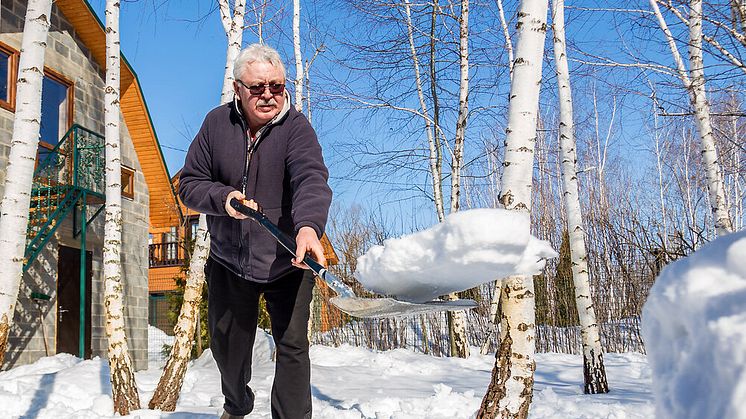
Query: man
[{"x": 261, "y": 148}]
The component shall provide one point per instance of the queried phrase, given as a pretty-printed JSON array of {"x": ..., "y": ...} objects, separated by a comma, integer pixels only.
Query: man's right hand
[{"x": 229, "y": 209}]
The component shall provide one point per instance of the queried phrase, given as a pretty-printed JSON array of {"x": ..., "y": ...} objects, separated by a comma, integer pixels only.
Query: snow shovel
[{"x": 346, "y": 300}]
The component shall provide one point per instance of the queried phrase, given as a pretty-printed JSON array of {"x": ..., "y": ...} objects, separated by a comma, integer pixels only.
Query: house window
[
  {"x": 8, "y": 69},
  {"x": 56, "y": 108},
  {"x": 128, "y": 183},
  {"x": 192, "y": 225},
  {"x": 170, "y": 242}
]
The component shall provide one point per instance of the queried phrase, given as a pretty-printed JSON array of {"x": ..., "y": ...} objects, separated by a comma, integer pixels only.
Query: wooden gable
[{"x": 164, "y": 209}]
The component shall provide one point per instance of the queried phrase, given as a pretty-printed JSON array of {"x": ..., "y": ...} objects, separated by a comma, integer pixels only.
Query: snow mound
[
  {"x": 469, "y": 248},
  {"x": 694, "y": 327}
]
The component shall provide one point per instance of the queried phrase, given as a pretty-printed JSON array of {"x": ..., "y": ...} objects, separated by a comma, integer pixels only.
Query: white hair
[{"x": 257, "y": 53}]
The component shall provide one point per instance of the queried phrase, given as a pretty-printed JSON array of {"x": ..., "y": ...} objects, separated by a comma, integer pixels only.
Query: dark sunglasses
[{"x": 258, "y": 89}]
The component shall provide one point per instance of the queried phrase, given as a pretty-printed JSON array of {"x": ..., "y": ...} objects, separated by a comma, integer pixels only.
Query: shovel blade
[{"x": 389, "y": 307}]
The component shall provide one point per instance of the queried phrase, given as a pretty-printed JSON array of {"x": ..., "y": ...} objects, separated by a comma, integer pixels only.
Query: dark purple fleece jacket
[{"x": 285, "y": 174}]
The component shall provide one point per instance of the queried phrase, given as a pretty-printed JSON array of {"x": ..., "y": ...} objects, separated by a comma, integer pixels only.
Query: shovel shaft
[{"x": 288, "y": 243}]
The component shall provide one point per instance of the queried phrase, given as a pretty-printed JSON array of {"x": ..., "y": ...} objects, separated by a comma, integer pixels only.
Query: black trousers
[{"x": 232, "y": 317}]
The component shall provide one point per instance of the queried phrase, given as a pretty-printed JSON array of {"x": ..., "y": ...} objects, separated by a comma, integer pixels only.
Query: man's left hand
[{"x": 307, "y": 242}]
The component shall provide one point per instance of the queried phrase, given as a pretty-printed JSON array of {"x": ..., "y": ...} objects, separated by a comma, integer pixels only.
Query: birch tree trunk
[
  {"x": 698, "y": 98},
  {"x": 298, "y": 57},
  {"x": 511, "y": 387},
  {"x": 506, "y": 34},
  {"x": 169, "y": 385},
  {"x": 495, "y": 301},
  {"x": 594, "y": 373},
  {"x": 457, "y": 319},
  {"x": 123, "y": 387},
  {"x": 233, "y": 26},
  {"x": 16, "y": 199},
  {"x": 720, "y": 210},
  {"x": 434, "y": 160}
]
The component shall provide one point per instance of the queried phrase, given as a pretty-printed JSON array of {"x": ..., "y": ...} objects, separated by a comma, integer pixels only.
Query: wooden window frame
[
  {"x": 128, "y": 190},
  {"x": 58, "y": 77},
  {"x": 10, "y": 104}
]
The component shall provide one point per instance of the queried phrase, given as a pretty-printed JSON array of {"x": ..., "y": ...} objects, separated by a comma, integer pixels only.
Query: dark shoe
[{"x": 227, "y": 415}]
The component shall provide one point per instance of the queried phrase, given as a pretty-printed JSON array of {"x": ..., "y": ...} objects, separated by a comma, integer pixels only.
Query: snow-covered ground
[
  {"x": 694, "y": 327},
  {"x": 348, "y": 382}
]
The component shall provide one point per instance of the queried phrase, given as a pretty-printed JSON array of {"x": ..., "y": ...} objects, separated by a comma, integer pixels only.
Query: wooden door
[{"x": 68, "y": 301}]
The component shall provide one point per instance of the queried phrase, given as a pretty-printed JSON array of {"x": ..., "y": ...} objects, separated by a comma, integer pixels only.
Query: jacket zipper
[
  {"x": 243, "y": 190},
  {"x": 250, "y": 148}
]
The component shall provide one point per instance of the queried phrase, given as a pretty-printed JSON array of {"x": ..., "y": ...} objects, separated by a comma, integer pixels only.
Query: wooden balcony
[{"x": 166, "y": 254}]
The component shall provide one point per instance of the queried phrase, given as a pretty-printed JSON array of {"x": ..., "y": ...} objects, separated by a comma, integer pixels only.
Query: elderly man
[{"x": 261, "y": 148}]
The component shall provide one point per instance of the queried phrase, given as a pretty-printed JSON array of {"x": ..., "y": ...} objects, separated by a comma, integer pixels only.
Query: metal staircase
[{"x": 70, "y": 178}]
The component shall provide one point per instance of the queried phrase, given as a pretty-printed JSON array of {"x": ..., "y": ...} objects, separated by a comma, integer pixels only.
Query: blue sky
[
  {"x": 179, "y": 64},
  {"x": 177, "y": 48},
  {"x": 178, "y": 52}
]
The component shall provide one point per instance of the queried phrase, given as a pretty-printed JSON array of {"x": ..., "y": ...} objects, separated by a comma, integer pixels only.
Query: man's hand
[
  {"x": 229, "y": 209},
  {"x": 307, "y": 242}
]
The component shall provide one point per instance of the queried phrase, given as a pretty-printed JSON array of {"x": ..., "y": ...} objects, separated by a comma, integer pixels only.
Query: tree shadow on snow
[
  {"x": 188, "y": 415},
  {"x": 316, "y": 393},
  {"x": 41, "y": 396}
]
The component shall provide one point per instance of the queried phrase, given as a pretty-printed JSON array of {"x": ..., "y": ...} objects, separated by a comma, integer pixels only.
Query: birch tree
[
  {"x": 457, "y": 319},
  {"x": 511, "y": 387},
  {"x": 169, "y": 386},
  {"x": 233, "y": 26},
  {"x": 495, "y": 300},
  {"x": 696, "y": 89},
  {"x": 506, "y": 34},
  {"x": 594, "y": 373},
  {"x": 14, "y": 208},
  {"x": 123, "y": 387},
  {"x": 298, "y": 57},
  {"x": 172, "y": 378},
  {"x": 434, "y": 161}
]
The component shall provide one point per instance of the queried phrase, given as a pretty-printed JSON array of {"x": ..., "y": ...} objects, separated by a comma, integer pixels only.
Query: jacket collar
[{"x": 274, "y": 121}]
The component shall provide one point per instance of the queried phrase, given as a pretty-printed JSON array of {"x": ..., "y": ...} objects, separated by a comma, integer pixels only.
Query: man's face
[{"x": 260, "y": 108}]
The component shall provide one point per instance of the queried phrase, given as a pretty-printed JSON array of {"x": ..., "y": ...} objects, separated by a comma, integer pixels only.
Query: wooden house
[{"x": 64, "y": 249}]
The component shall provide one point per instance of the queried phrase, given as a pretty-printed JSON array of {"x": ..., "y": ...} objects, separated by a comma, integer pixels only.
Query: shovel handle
[{"x": 334, "y": 283}]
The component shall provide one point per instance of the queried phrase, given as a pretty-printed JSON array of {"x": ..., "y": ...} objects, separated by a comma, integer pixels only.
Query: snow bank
[
  {"x": 469, "y": 248},
  {"x": 347, "y": 383},
  {"x": 694, "y": 327}
]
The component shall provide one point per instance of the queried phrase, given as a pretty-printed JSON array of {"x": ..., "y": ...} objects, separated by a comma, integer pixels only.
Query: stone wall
[{"x": 67, "y": 56}]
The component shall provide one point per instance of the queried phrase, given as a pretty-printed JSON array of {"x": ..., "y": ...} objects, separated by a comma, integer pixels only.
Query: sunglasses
[{"x": 258, "y": 89}]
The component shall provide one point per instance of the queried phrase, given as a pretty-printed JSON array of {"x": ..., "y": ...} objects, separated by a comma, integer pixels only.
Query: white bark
[
  {"x": 307, "y": 79},
  {"x": 124, "y": 389},
  {"x": 298, "y": 57},
  {"x": 433, "y": 159},
  {"x": 233, "y": 26},
  {"x": 495, "y": 301},
  {"x": 457, "y": 319},
  {"x": 697, "y": 96},
  {"x": 593, "y": 366},
  {"x": 14, "y": 208},
  {"x": 738, "y": 10},
  {"x": 463, "y": 107},
  {"x": 506, "y": 34},
  {"x": 510, "y": 391}
]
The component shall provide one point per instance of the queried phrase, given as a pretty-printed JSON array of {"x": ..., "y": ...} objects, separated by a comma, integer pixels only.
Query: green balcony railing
[{"x": 70, "y": 173}]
